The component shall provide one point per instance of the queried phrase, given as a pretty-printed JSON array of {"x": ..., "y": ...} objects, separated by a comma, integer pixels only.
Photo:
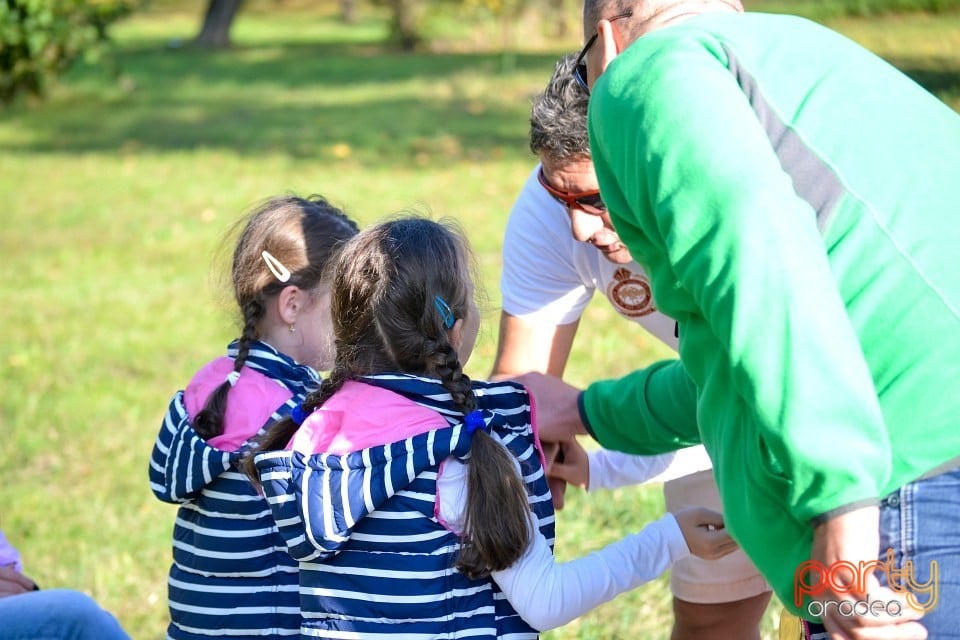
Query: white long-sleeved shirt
[
  {"x": 613, "y": 469},
  {"x": 549, "y": 594}
]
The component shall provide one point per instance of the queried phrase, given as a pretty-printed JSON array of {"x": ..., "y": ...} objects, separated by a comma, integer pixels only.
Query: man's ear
[
  {"x": 610, "y": 44},
  {"x": 290, "y": 301}
]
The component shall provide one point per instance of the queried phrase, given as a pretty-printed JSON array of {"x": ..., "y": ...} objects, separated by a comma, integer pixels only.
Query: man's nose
[{"x": 582, "y": 224}]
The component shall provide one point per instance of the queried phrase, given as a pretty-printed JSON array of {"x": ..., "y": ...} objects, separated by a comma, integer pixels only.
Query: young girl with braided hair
[
  {"x": 414, "y": 498},
  {"x": 231, "y": 575}
]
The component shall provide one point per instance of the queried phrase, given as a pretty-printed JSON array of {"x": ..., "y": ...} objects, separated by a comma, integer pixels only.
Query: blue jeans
[
  {"x": 56, "y": 614},
  {"x": 921, "y": 523}
]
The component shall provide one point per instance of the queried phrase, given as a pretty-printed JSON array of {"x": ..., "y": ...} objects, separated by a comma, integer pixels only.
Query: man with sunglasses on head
[
  {"x": 794, "y": 199},
  {"x": 559, "y": 249}
]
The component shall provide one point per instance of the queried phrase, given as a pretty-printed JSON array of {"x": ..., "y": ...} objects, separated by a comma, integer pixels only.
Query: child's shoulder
[
  {"x": 253, "y": 392},
  {"x": 498, "y": 386},
  {"x": 503, "y": 394}
]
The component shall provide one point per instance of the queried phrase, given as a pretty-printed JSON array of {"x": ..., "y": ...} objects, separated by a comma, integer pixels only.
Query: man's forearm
[{"x": 649, "y": 411}]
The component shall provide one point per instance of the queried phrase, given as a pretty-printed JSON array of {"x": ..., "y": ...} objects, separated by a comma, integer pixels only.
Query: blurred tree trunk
[
  {"x": 404, "y": 24},
  {"x": 348, "y": 11},
  {"x": 217, "y": 21},
  {"x": 561, "y": 27}
]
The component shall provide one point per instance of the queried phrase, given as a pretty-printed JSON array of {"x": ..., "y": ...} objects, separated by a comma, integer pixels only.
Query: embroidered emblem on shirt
[{"x": 631, "y": 294}]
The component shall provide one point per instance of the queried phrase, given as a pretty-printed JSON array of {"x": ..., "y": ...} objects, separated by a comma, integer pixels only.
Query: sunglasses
[
  {"x": 588, "y": 201},
  {"x": 580, "y": 66}
]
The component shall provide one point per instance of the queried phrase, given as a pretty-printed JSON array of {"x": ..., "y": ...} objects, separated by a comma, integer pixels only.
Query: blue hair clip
[
  {"x": 474, "y": 421},
  {"x": 298, "y": 415},
  {"x": 445, "y": 312}
]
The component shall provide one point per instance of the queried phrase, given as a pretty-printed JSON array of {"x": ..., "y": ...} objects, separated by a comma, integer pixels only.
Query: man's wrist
[
  {"x": 823, "y": 518},
  {"x": 584, "y": 426}
]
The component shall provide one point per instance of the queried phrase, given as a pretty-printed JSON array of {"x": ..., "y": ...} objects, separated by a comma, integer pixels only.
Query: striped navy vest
[
  {"x": 374, "y": 560},
  {"x": 231, "y": 574}
]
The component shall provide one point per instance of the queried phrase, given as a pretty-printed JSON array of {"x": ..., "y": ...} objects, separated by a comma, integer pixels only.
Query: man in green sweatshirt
[{"x": 795, "y": 201}]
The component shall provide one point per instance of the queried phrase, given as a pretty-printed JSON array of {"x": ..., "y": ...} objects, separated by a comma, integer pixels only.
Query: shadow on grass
[
  {"x": 330, "y": 100},
  {"x": 940, "y": 76},
  {"x": 297, "y": 99}
]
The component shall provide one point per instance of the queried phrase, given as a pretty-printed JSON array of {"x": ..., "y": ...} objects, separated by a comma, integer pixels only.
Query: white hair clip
[
  {"x": 276, "y": 267},
  {"x": 232, "y": 377}
]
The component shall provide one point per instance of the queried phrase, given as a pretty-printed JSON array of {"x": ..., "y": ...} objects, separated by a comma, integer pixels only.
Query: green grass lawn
[{"x": 116, "y": 193}]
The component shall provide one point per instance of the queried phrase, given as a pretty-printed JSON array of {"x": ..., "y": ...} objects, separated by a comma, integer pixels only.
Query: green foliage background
[
  {"x": 117, "y": 190},
  {"x": 41, "y": 39}
]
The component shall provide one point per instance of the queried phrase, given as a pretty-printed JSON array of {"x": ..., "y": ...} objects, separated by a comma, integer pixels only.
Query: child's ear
[
  {"x": 289, "y": 302},
  {"x": 455, "y": 334}
]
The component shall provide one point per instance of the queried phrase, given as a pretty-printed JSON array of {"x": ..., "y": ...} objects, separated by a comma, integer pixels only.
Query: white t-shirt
[{"x": 549, "y": 276}]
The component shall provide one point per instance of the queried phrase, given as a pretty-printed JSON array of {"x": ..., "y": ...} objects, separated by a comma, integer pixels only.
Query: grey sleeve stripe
[{"x": 813, "y": 180}]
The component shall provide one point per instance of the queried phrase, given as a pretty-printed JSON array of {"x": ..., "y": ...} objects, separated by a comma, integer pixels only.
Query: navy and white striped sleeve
[
  {"x": 182, "y": 462},
  {"x": 317, "y": 500}
]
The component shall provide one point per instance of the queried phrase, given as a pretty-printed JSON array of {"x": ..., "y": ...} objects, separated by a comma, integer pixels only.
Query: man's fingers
[
  {"x": 884, "y": 594},
  {"x": 881, "y": 614},
  {"x": 558, "y": 489},
  {"x": 564, "y": 472},
  {"x": 857, "y": 628}
]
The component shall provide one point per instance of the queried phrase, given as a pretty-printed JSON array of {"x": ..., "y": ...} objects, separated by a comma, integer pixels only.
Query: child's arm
[
  {"x": 9, "y": 556},
  {"x": 548, "y": 594},
  {"x": 613, "y": 469},
  {"x": 12, "y": 580},
  {"x": 182, "y": 462},
  {"x": 163, "y": 458},
  {"x": 604, "y": 469}
]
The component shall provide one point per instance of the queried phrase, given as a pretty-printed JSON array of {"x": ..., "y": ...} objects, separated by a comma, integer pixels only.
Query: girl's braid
[
  {"x": 447, "y": 365},
  {"x": 209, "y": 422}
]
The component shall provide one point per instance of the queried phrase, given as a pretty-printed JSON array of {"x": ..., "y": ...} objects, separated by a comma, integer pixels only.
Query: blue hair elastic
[
  {"x": 474, "y": 421},
  {"x": 298, "y": 415},
  {"x": 445, "y": 312}
]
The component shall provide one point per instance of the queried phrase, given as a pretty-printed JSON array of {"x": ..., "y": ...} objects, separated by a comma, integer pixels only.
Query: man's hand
[
  {"x": 558, "y": 417},
  {"x": 567, "y": 463},
  {"x": 571, "y": 464},
  {"x": 13, "y": 583},
  {"x": 854, "y": 537},
  {"x": 558, "y": 486}
]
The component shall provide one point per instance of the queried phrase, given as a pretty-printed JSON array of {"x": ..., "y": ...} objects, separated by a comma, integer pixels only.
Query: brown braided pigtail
[
  {"x": 209, "y": 422},
  {"x": 496, "y": 523},
  {"x": 421, "y": 285}
]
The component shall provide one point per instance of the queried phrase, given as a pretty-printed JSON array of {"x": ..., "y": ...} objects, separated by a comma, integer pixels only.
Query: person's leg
[
  {"x": 738, "y": 620},
  {"x": 713, "y": 599},
  {"x": 56, "y": 614},
  {"x": 920, "y": 522}
]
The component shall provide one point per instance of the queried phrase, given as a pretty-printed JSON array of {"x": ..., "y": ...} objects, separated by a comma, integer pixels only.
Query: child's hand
[
  {"x": 704, "y": 531},
  {"x": 571, "y": 464}
]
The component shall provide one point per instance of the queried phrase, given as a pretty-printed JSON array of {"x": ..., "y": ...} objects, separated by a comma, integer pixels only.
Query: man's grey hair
[{"x": 558, "y": 119}]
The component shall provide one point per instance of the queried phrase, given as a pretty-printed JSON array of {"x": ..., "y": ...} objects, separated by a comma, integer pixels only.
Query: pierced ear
[
  {"x": 290, "y": 301},
  {"x": 455, "y": 334}
]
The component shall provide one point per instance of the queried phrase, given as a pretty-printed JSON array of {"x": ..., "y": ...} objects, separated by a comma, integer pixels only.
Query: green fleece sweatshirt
[{"x": 796, "y": 202}]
